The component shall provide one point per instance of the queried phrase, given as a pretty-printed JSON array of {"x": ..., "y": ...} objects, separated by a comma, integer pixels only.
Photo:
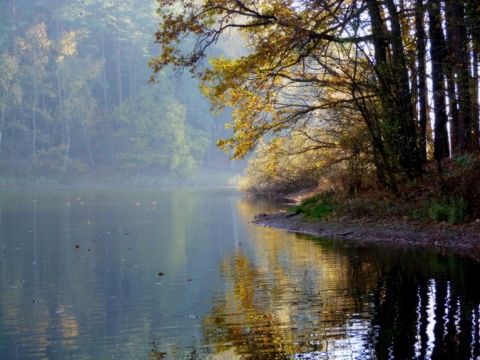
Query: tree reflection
[
  {"x": 270, "y": 311},
  {"x": 425, "y": 312},
  {"x": 241, "y": 319},
  {"x": 386, "y": 305}
]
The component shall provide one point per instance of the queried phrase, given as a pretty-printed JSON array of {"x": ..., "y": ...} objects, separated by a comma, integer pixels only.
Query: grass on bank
[
  {"x": 315, "y": 207},
  {"x": 451, "y": 197},
  {"x": 452, "y": 210}
]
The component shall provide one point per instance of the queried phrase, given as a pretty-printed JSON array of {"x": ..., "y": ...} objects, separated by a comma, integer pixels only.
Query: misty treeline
[
  {"x": 75, "y": 95},
  {"x": 376, "y": 88}
]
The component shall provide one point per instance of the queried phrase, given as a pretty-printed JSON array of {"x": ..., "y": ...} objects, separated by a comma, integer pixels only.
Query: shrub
[{"x": 453, "y": 210}]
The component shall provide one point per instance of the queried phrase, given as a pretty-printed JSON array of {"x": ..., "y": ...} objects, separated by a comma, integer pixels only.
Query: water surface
[{"x": 181, "y": 274}]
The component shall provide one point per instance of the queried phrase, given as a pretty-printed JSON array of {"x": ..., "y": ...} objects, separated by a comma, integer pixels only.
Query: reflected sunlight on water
[
  {"x": 181, "y": 274},
  {"x": 292, "y": 297}
]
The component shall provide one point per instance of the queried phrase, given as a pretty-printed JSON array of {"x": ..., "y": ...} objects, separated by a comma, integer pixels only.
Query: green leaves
[{"x": 154, "y": 137}]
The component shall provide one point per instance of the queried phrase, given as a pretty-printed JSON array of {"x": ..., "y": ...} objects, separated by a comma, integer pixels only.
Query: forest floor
[{"x": 382, "y": 228}]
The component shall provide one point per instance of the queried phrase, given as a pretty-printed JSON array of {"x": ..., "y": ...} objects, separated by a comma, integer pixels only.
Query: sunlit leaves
[
  {"x": 305, "y": 59},
  {"x": 284, "y": 79},
  {"x": 36, "y": 45},
  {"x": 68, "y": 45}
]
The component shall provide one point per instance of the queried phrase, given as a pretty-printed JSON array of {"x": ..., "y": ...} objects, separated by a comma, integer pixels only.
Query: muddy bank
[{"x": 461, "y": 239}]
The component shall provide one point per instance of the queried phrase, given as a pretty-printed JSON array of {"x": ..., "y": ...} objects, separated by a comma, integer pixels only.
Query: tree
[
  {"x": 67, "y": 65},
  {"x": 77, "y": 107},
  {"x": 437, "y": 53},
  {"x": 458, "y": 48},
  {"x": 302, "y": 60},
  {"x": 35, "y": 50},
  {"x": 11, "y": 92},
  {"x": 306, "y": 59},
  {"x": 421, "y": 77},
  {"x": 154, "y": 137}
]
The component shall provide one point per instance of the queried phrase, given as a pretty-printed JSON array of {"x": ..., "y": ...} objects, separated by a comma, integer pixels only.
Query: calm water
[{"x": 183, "y": 275}]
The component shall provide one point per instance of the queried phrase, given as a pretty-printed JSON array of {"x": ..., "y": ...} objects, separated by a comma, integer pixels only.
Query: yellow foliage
[{"x": 68, "y": 45}]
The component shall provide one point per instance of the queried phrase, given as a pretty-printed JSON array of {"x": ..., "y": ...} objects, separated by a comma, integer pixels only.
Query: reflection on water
[{"x": 183, "y": 275}]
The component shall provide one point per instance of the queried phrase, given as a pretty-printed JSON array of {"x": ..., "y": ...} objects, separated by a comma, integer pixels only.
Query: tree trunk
[
  {"x": 404, "y": 110},
  {"x": 104, "y": 76},
  {"x": 34, "y": 124},
  {"x": 119, "y": 69},
  {"x": 86, "y": 138},
  {"x": 473, "y": 27},
  {"x": 460, "y": 65},
  {"x": 421, "y": 77},
  {"x": 475, "y": 101},
  {"x": 437, "y": 49},
  {"x": 378, "y": 32},
  {"x": 450, "y": 77}
]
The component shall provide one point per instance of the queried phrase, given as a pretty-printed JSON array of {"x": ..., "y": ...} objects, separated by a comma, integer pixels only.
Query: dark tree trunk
[
  {"x": 399, "y": 130},
  {"x": 450, "y": 77},
  {"x": 475, "y": 102},
  {"x": 437, "y": 51},
  {"x": 378, "y": 33},
  {"x": 473, "y": 28},
  {"x": 404, "y": 114},
  {"x": 459, "y": 61}
]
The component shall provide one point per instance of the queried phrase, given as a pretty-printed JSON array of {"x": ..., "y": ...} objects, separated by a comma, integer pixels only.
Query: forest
[
  {"x": 76, "y": 103},
  {"x": 339, "y": 94},
  {"x": 361, "y": 93}
]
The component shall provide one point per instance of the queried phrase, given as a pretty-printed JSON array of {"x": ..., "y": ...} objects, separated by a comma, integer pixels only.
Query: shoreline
[{"x": 441, "y": 237}]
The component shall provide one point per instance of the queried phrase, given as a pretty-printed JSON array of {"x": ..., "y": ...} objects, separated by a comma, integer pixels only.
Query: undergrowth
[
  {"x": 451, "y": 197},
  {"x": 316, "y": 207},
  {"x": 452, "y": 210}
]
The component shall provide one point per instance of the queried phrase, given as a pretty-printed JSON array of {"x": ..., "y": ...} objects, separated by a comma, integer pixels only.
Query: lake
[{"x": 182, "y": 274}]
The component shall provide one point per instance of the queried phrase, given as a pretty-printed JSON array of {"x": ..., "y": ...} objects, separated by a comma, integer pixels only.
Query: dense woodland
[
  {"x": 76, "y": 98},
  {"x": 368, "y": 91},
  {"x": 349, "y": 93}
]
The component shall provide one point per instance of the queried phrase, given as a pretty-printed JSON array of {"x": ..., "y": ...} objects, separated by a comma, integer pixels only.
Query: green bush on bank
[
  {"x": 453, "y": 210},
  {"x": 316, "y": 207}
]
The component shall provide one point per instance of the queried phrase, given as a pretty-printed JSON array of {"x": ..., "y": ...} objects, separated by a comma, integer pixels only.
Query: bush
[{"x": 453, "y": 210}]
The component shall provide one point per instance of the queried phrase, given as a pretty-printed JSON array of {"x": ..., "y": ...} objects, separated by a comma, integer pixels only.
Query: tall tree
[
  {"x": 421, "y": 76},
  {"x": 437, "y": 54},
  {"x": 473, "y": 21},
  {"x": 459, "y": 63},
  {"x": 9, "y": 88},
  {"x": 35, "y": 49}
]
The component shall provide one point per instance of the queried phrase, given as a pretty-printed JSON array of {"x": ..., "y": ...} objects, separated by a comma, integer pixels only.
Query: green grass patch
[{"x": 315, "y": 207}]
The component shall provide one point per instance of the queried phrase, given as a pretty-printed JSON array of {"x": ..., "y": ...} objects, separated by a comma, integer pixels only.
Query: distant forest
[{"x": 75, "y": 96}]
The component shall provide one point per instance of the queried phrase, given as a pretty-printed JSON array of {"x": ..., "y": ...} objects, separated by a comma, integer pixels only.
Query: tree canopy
[{"x": 344, "y": 74}]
